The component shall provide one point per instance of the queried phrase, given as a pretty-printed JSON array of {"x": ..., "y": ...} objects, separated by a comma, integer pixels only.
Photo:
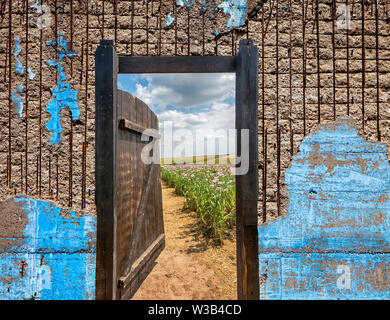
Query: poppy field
[{"x": 210, "y": 191}]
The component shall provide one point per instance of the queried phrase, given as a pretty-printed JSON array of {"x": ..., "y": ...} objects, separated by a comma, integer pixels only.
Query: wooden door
[
  {"x": 130, "y": 231},
  {"x": 140, "y": 229}
]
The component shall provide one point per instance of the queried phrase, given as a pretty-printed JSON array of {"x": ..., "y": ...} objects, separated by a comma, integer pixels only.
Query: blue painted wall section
[
  {"x": 63, "y": 95},
  {"x": 334, "y": 241},
  {"x": 19, "y": 69},
  {"x": 236, "y": 9},
  {"x": 52, "y": 256}
]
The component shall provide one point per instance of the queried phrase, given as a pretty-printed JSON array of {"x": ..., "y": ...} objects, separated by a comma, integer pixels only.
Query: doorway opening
[
  {"x": 196, "y": 121},
  {"x": 121, "y": 270}
]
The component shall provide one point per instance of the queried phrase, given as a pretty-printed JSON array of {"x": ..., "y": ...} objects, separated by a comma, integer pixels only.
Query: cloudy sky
[{"x": 193, "y": 110}]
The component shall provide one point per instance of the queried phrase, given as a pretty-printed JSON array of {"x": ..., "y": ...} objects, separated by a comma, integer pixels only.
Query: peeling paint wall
[
  {"x": 334, "y": 242},
  {"x": 47, "y": 253},
  {"x": 47, "y": 123},
  {"x": 312, "y": 69},
  {"x": 47, "y": 79}
]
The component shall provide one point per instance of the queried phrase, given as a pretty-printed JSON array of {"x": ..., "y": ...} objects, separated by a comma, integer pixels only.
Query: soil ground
[{"x": 189, "y": 267}]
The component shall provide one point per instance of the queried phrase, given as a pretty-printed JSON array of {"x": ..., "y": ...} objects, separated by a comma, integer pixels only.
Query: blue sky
[{"x": 202, "y": 103}]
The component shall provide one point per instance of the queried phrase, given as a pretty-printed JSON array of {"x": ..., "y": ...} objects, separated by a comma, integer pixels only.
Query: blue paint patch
[
  {"x": 237, "y": 11},
  {"x": 56, "y": 258},
  {"x": 17, "y": 100},
  {"x": 184, "y": 3},
  {"x": 35, "y": 5},
  {"x": 63, "y": 94},
  {"x": 331, "y": 276},
  {"x": 216, "y": 32},
  {"x": 203, "y": 4},
  {"x": 338, "y": 222},
  {"x": 31, "y": 74},
  {"x": 170, "y": 20},
  {"x": 18, "y": 65}
]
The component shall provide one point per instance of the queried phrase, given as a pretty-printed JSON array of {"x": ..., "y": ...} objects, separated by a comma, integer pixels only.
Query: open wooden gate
[
  {"x": 128, "y": 193},
  {"x": 140, "y": 229}
]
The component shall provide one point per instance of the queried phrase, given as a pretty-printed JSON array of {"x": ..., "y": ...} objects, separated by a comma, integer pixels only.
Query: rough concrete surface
[
  {"x": 334, "y": 242},
  {"x": 314, "y": 67}
]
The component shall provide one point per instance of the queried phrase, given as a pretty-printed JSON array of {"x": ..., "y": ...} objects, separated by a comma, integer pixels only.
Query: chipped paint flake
[
  {"x": 63, "y": 94},
  {"x": 338, "y": 219},
  {"x": 17, "y": 100},
  {"x": 236, "y": 9},
  {"x": 18, "y": 65},
  {"x": 35, "y": 5},
  {"x": 170, "y": 20},
  {"x": 184, "y": 3},
  {"x": 203, "y": 4},
  {"x": 31, "y": 74}
]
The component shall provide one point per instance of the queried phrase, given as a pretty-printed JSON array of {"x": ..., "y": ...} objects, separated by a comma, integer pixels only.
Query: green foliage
[{"x": 210, "y": 191}]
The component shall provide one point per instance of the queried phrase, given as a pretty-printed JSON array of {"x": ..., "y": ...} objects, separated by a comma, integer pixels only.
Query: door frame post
[
  {"x": 106, "y": 72},
  {"x": 247, "y": 185}
]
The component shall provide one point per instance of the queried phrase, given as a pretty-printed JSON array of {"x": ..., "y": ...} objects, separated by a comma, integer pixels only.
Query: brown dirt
[{"x": 189, "y": 267}]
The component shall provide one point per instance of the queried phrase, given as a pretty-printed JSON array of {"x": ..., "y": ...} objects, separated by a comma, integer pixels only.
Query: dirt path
[{"x": 189, "y": 268}]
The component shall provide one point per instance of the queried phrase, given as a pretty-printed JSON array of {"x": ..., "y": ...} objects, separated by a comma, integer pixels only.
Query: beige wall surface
[{"x": 313, "y": 67}]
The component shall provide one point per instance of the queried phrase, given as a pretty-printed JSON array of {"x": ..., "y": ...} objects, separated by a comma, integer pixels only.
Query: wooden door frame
[{"x": 107, "y": 66}]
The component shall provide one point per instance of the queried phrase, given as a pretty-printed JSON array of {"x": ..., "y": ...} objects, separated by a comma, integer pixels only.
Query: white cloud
[
  {"x": 191, "y": 130},
  {"x": 204, "y": 110},
  {"x": 185, "y": 90}
]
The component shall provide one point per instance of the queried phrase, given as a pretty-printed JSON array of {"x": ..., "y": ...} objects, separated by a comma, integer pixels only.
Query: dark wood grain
[
  {"x": 185, "y": 64},
  {"x": 247, "y": 184},
  {"x": 139, "y": 211},
  {"x": 130, "y": 125},
  {"x": 141, "y": 268},
  {"x": 106, "y": 66},
  {"x": 157, "y": 244}
]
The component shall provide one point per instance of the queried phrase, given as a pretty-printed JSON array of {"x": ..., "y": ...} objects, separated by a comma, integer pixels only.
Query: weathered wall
[
  {"x": 47, "y": 145},
  {"x": 315, "y": 71},
  {"x": 46, "y": 252},
  {"x": 334, "y": 242},
  {"x": 322, "y": 74},
  {"x": 312, "y": 69}
]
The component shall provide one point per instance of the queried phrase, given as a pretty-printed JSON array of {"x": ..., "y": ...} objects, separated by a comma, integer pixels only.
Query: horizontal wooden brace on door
[
  {"x": 132, "y": 126},
  {"x": 154, "y": 249}
]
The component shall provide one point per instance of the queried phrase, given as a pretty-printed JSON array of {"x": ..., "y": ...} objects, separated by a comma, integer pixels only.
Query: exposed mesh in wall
[{"x": 311, "y": 70}]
